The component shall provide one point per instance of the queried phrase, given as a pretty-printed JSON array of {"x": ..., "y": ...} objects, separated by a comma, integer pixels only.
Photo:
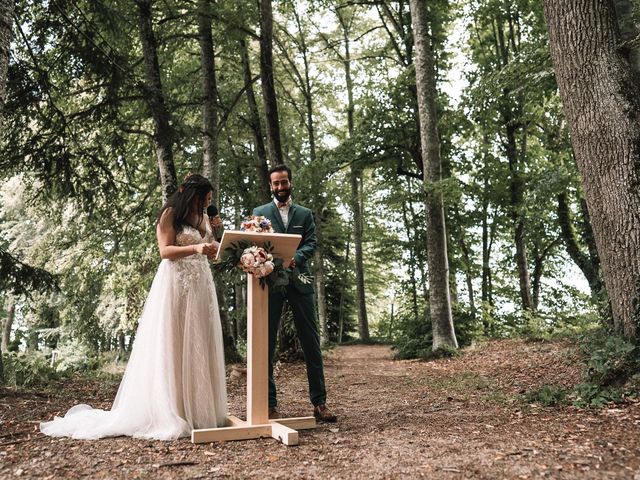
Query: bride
[{"x": 175, "y": 378}]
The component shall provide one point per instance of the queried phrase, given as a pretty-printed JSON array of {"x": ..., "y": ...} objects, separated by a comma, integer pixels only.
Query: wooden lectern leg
[{"x": 257, "y": 354}]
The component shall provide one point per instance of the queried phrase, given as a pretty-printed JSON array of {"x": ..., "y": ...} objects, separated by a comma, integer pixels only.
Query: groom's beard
[{"x": 282, "y": 195}]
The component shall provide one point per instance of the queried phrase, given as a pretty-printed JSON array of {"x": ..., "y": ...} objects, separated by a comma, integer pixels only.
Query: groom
[{"x": 288, "y": 217}]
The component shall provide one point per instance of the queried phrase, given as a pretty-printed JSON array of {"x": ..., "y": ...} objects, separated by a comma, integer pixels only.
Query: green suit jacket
[{"x": 301, "y": 223}]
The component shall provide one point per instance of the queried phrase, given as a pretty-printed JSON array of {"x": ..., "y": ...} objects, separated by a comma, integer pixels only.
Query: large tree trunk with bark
[
  {"x": 268, "y": 83},
  {"x": 163, "y": 133},
  {"x": 439, "y": 299},
  {"x": 262, "y": 165},
  {"x": 601, "y": 99}
]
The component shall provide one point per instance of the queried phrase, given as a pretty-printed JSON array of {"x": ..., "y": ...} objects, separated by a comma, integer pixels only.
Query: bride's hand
[{"x": 209, "y": 249}]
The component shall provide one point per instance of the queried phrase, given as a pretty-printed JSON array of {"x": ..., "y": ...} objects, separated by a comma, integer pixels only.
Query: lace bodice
[
  {"x": 191, "y": 236},
  {"x": 193, "y": 268}
]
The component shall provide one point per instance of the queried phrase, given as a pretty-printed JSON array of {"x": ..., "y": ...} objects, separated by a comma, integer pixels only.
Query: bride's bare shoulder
[{"x": 166, "y": 219}]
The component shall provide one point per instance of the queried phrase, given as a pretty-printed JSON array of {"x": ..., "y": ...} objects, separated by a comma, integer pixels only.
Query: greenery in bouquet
[{"x": 259, "y": 261}]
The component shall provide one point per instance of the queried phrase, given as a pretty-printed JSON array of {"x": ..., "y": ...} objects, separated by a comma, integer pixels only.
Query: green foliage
[
  {"x": 549, "y": 396},
  {"x": 22, "y": 279},
  {"x": 611, "y": 361},
  {"x": 467, "y": 325},
  {"x": 413, "y": 337},
  {"x": 28, "y": 370}
]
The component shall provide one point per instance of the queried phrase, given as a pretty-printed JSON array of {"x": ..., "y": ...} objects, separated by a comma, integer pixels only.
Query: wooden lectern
[{"x": 257, "y": 424}]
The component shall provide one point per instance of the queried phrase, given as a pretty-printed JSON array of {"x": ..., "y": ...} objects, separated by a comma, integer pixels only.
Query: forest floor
[{"x": 465, "y": 417}]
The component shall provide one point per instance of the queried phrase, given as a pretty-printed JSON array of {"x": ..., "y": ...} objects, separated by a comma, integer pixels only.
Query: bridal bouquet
[
  {"x": 256, "y": 224},
  {"x": 256, "y": 261},
  {"x": 259, "y": 261}
]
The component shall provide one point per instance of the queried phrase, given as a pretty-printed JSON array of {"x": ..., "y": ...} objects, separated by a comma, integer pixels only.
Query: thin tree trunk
[
  {"x": 10, "y": 308},
  {"x": 568, "y": 234},
  {"x": 361, "y": 305},
  {"x": 210, "y": 161},
  {"x": 601, "y": 99},
  {"x": 540, "y": 255},
  {"x": 341, "y": 307},
  {"x": 163, "y": 133},
  {"x": 356, "y": 207},
  {"x": 262, "y": 166},
  {"x": 268, "y": 83},
  {"x": 311, "y": 131},
  {"x": 6, "y": 22},
  {"x": 515, "y": 187},
  {"x": 416, "y": 252},
  {"x": 466, "y": 258},
  {"x": 485, "y": 291},
  {"x": 439, "y": 294},
  {"x": 412, "y": 262}
]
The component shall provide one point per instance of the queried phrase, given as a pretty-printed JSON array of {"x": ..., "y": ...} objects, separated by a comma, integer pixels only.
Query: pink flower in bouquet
[{"x": 257, "y": 261}]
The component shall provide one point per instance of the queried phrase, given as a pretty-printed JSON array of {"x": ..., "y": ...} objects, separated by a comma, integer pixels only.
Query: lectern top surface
[{"x": 284, "y": 244}]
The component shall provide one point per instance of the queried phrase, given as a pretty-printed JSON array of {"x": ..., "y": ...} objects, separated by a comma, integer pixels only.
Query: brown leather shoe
[
  {"x": 323, "y": 414},
  {"x": 274, "y": 414}
]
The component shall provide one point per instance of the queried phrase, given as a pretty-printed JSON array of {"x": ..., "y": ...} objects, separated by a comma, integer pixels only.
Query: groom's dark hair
[{"x": 280, "y": 168}]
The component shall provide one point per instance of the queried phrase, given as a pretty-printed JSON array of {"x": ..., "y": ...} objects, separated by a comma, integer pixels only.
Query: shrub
[{"x": 28, "y": 370}]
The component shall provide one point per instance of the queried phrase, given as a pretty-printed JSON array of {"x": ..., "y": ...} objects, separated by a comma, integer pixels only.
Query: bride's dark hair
[{"x": 194, "y": 185}]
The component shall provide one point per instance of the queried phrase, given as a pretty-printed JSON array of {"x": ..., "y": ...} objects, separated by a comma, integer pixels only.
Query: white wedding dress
[{"x": 175, "y": 378}]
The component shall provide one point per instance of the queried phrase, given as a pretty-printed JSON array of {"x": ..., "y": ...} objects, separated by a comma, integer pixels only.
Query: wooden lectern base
[
  {"x": 284, "y": 430},
  {"x": 258, "y": 424}
]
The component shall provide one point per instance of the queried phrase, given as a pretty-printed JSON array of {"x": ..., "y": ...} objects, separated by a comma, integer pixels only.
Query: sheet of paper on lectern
[{"x": 284, "y": 244}]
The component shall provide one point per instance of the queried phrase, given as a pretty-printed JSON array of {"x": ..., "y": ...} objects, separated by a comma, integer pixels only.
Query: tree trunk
[
  {"x": 210, "y": 161},
  {"x": 163, "y": 133},
  {"x": 466, "y": 258},
  {"x": 211, "y": 164},
  {"x": 412, "y": 260},
  {"x": 439, "y": 299},
  {"x": 6, "y": 21},
  {"x": 341, "y": 306},
  {"x": 268, "y": 83},
  {"x": 356, "y": 207},
  {"x": 515, "y": 187},
  {"x": 262, "y": 166},
  {"x": 10, "y": 308},
  {"x": 601, "y": 100},
  {"x": 581, "y": 259},
  {"x": 319, "y": 203}
]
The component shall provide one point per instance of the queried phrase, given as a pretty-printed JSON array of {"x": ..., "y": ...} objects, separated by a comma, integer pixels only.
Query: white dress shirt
[{"x": 284, "y": 211}]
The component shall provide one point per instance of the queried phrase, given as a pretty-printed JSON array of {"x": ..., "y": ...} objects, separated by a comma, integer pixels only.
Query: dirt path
[{"x": 459, "y": 418}]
